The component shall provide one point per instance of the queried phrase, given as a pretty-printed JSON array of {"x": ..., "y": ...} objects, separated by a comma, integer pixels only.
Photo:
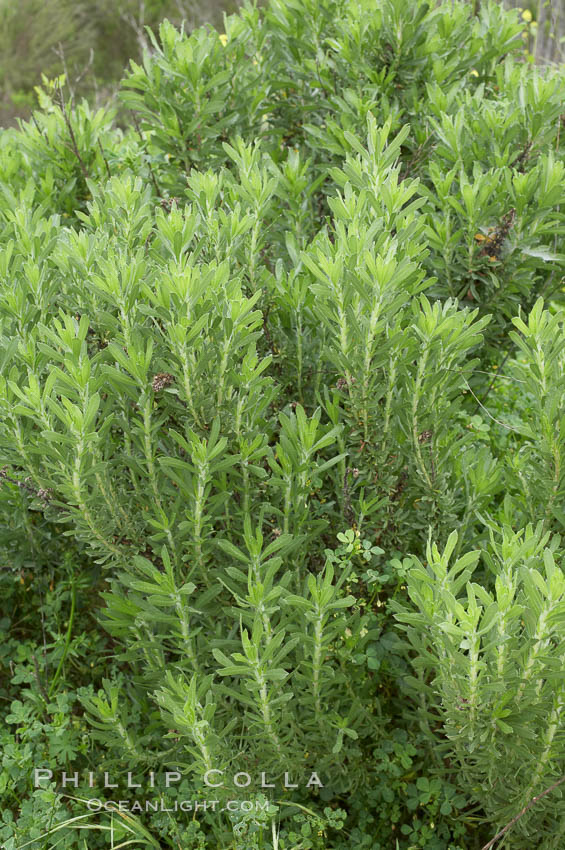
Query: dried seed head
[
  {"x": 492, "y": 244},
  {"x": 167, "y": 203},
  {"x": 425, "y": 436},
  {"x": 343, "y": 382},
  {"x": 162, "y": 380},
  {"x": 44, "y": 494}
]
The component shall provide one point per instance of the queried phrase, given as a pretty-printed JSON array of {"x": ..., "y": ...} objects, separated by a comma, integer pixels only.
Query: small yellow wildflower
[
  {"x": 526, "y": 15},
  {"x": 224, "y": 39},
  {"x": 474, "y": 73}
]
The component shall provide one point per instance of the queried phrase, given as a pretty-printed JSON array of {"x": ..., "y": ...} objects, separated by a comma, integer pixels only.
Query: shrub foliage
[{"x": 282, "y": 434}]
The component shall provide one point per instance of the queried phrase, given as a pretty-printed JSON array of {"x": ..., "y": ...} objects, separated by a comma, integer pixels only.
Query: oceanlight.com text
[{"x": 162, "y": 805}]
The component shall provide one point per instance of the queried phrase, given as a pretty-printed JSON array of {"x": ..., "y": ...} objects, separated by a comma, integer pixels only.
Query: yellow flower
[
  {"x": 526, "y": 15},
  {"x": 474, "y": 73},
  {"x": 224, "y": 39}
]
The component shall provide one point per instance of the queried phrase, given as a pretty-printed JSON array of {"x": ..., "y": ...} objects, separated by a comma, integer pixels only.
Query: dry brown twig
[
  {"x": 508, "y": 826},
  {"x": 73, "y": 146}
]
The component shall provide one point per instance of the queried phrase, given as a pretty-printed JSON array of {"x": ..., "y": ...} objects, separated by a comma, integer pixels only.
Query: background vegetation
[
  {"x": 545, "y": 20},
  {"x": 91, "y": 41}
]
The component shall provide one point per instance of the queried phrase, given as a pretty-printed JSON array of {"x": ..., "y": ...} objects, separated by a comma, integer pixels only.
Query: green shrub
[
  {"x": 496, "y": 685},
  {"x": 247, "y": 348}
]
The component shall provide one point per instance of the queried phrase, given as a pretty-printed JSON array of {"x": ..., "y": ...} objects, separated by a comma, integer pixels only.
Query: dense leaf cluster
[{"x": 250, "y": 349}]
